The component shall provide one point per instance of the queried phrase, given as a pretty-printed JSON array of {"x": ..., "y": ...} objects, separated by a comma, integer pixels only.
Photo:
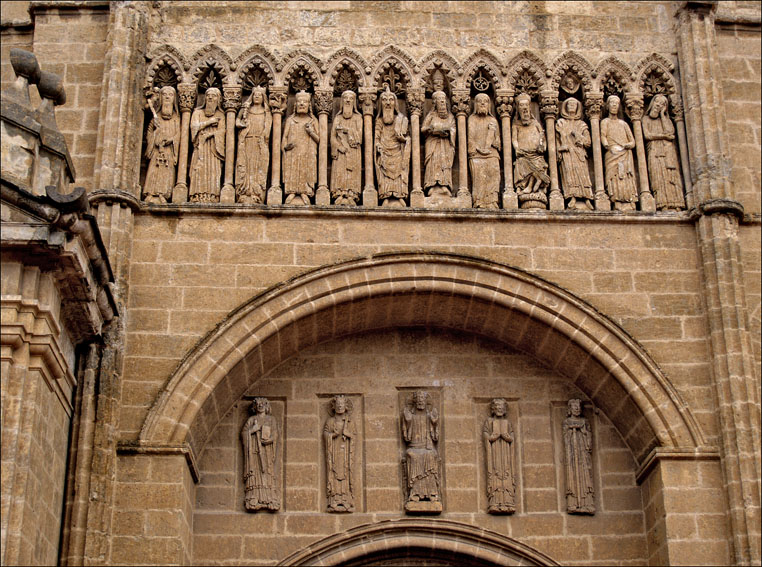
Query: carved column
[
  {"x": 634, "y": 104},
  {"x": 593, "y": 104},
  {"x": 734, "y": 371},
  {"x": 415, "y": 98},
  {"x": 367, "y": 99},
  {"x": 679, "y": 116},
  {"x": 278, "y": 108},
  {"x": 323, "y": 106},
  {"x": 186, "y": 94},
  {"x": 504, "y": 105},
  {"x": 231, "y": 101},
  {"x": 461, "y": 100},
  {"x": 549, "y": 109}
]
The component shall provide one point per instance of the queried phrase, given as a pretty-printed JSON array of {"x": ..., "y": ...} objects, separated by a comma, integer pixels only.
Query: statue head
[
  {"x": 340, "y": 404},
  {"x": 437, "y": 81},
  {"x": 348, "y": 104},
  {"x": 258, "y": 96},
  {"x": 261, "y": 406},
  {"x": 387, "y": 105},
  {"x": 657, "y": 106},
  {"x": 523, "y": 108},
  {"x": 571, "y": 109},
  {"x": 420, "y": 399},
  {"x": 302, "y": 102},
  {"x": 481, "y": 104},
  {"x": 499, "y": 407},
  {"x": 440, "y": 103},
  {"x": 574, "y": 408},
  {"x": 612, "y": 105},
  {"x": 212, "y": 100},
  {"x": 168, "y": 100}
]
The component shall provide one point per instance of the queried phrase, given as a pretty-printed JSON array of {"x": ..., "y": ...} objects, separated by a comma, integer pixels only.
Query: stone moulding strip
[
  {"x": 718, "y": 206},
  {"x": 248, "y": 326},
  {"x": 446, "y": 535},
  {"x": 142, "y": 448},
  {"x": 706, "y": 453}
]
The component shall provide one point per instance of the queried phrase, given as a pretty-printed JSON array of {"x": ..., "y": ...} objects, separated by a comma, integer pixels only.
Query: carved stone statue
[
  {"x": 340, "y": 436},
  {"x": 420, "y": 430},
  {"x": 578, "y": 461},
  {"x": 498, "y": 441},
  {"x": 300, "y": 145},
  {"x": 260, "y": 438},
  {"x": 439, "y": 128},
  {"x": 572, "y": 137},
  {"x": 483, "y": 153},
  {"x": 617, "y": 140},
  {"x": 392, "y": 155},
  {"x": 162, "y": 148},
  {"x": 255, "y": 121},
  {"x": 346, "y": 152},
  {"x": 207, "y": 131},
  {"x": 663, "y": 167},
  {"x": 530, "y": 170}
]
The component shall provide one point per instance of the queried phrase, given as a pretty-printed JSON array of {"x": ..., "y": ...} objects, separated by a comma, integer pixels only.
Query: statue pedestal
[
  {"x": 602, "y": 203},
  {"x": 180, "y": 193},
  {"x": 275, "y": 196},
  {"x": 463, "y": 200},
  {"x": 227, "y": 194},
  {"x": 417, "y": 200},
  {"x": 647, "y": 203},
  {"x": 322, "y": 197},
  {"x": 423, "y": 507},
  {"x": 556, "y": 201},
  {"x": 369, "y": 198},
  {"x": 510, "y": 200}
]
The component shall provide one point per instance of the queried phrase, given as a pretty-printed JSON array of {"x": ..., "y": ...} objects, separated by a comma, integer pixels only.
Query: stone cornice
[
  {"x": 143, "y": 448},
  {"x": 706, "y": 453}
]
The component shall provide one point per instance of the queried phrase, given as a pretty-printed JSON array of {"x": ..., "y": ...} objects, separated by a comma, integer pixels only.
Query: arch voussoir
[{"x": 414, "y": 289}]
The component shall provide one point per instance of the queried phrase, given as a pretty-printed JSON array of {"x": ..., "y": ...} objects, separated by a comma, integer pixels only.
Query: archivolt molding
[
  {"x": 612, "y": 67},
  {"x": 395, "y": 539},
  {"x": 352, "y": 60},
  {"x": 301, "y": 59},
  {"x": 482, "y": 59},
  {"x": 438, "y": 290},
  {"x": 443, "y": 61},
  {"x": 169, "y": 56},
  {"x": 211, "y": 56},
  {"x": 394, "y": 56},
  {"x": 660, "y": 66},
  {"x": 526, "y": 66},
  {"x": 255, "y": 56},
  {"x": 571, "y": 61}
]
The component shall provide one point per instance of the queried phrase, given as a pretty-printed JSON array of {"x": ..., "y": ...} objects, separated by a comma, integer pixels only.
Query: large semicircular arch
[{"x": 439, "y": 290}]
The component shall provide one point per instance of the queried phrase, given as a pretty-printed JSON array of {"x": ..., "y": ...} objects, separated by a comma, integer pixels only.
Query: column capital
[
  {"x": 277, "y": 99},
  {"x": 415, "y": 99},
  {"x": 186, "y": 96},
  {"x": 461, "y": 101},
  {"x": 634, "y": 104},
  {"x": 549, "y": 104},
  {"x": 367, "y": 98},
  {"x": 504, "y": 103},
  {"x": 323, "y": 101},
  {"x": 231, "y": 98},
  {"x": 594, "y": 104}
]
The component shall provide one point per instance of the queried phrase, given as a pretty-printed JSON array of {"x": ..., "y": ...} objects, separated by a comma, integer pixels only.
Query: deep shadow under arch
[{"x": 424, "y": 289}]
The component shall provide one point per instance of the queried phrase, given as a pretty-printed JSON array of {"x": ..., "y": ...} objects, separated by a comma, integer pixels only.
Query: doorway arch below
[{"x": 412, "y": 541}]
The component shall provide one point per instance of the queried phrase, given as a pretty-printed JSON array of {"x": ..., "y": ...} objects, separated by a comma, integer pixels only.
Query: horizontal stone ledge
[
  {"x": 703, "y": 453},
  {"x": 225, "y": 209},
  {"x": 143, "y": 448}
]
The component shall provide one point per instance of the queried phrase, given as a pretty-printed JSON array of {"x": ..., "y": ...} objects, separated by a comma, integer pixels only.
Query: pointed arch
[
  {"x": 657, "y": 67},
  {"x": 439, "y": 540},
  {"x": 211, "y": 57},
  {"x": 348, "y": 58},
  {"x": 482, "y": 59},
  {"x": 526, "y": 72},
  {"x": 302, "y": 62},
  {"x": 441, "y": 60},
  {"x": 256, "y": 57},
  {"x": 612, "y": 68},
  {"x": 393, "y": 57},
  {"x": 165, "y": 56},
  {"x": 438, "y": 290},
  {"x": 575, "y": 63}
]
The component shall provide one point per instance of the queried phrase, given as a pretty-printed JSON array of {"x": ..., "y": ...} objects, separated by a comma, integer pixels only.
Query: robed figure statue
[
  {"x": 207, "y": 130},
  {"x": 162, "y": 148},
  {"x": 578, "y": 460},
  {"x": 340, "y": 435},
  {"x": 255, "y": 121},
  {"x": 259, "y": 436},
  {"x": 420, "y": 430},
  {"x": 663, "y": 171},
  {"x": 498, "y": 442}
]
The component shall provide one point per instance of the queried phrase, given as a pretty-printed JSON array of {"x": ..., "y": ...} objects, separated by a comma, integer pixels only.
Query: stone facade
[{"x": 126, "y": 445}]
